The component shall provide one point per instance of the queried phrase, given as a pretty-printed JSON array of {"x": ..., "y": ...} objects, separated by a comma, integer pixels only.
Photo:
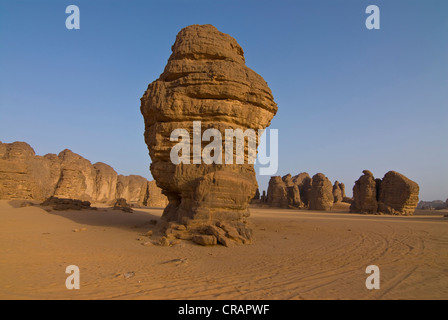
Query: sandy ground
[{"x": 295, "y": 255}]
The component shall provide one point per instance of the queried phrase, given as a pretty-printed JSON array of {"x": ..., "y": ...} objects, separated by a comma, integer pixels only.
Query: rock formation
[
  {"x": 303, "y": 182},
  {"x": 365, "y": 194},
  {"x": 277, "y": 193},
  {"x": 205, "y": 80},
  {"x": 337, "y": 192},
  {"x": 432, "y": 205},
  {"x": 283, "y": 193},
  {"x": 23, "y": 175},
  {"x": 26, "y": 176},
  {"x": 398, "y": 194},
  {"x": 155, "y": 198},
  {"x": 53, "y": 203},
  {"x": 394, "y": 194},
  {"x": 257, "y": 195},
  {"x": 321, "y": 194},
  {"x": 133, "y": 188}
]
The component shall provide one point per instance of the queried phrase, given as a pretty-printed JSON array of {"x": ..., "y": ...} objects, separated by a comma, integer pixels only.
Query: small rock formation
[
  {"x": 264, "y": 197},
  {"x": 283, "y": 193},
  {"x": 394, "y": 194},
  {"x": 337, "y": 192},
  {"x": 106, "y": 180},
  {"x": 133, "y": 188},
  {"x": 365, "y": 194},
  {"x": 432, "y": 205},
  {"x": 398, "y": 194},
  {"x": 257, "y": 195},
  {"x": 303, "y": 182},
  {"x": 121, "y": 204},
  {"x": 321, "y": 194},
  {"x": 277, "y": 193},
  {"x": 26, "y": 176},
  {"x": 294, "y": 197},
  {"x": 205, "y": 80},
  {"x": 155, "y": 197},
  {"x": 66, "y": 204}
]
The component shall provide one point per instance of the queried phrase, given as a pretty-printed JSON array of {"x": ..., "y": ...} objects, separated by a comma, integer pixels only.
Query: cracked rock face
[{"x": 205, "y": 80}]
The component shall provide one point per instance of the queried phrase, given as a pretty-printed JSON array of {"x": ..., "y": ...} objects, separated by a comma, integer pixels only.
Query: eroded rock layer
[{"x": 24, "y": 175}]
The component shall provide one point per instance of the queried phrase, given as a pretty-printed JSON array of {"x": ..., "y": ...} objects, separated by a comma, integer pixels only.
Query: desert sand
[{"x": 294, "y": 255}]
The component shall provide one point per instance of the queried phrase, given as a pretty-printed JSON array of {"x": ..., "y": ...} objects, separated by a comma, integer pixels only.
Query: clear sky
[{"x": 348, "y": 98}]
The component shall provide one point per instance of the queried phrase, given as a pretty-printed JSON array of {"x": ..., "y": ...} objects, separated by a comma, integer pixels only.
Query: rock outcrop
[
  {"x": 338, "y": 192},
  {"x": 432, "y": 205},
  {"x": 321, "y": 194},
  {"x": 365, "y": 194},
  {"x": 277, "y": 193},
  {"x": 283, "y": 193},
  {"x": 53, "y": 203},
  {"x": 155, "y": 197},
  {"x": 26, "y": 176},
  {"x": 398, "y": 194},
  {"x": 303, "y": 182},
  {"x": 133, "y": 188},
  {"x": 394, "y": 194},
  {"x": 205, "y": 80}
]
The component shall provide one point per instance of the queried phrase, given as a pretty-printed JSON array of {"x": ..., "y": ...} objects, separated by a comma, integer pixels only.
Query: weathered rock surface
[
  {"x": 303, "y": 182},
  {"x": 77, "y": 179},
  {"x": 321, "y": 194},
  {"x": 365, "y": 194},
  {"x": 337, "y": 192},
  {"x": 205, "y": 80},
  {"x": 398, "y": 194},
  {"x": 24, "y": 175},
  {"x": 106, "y": 179},
  {"x": 394, "y": 194},
  {"x": 133, "y": 188},
  {"x": 277, "y": 193}
]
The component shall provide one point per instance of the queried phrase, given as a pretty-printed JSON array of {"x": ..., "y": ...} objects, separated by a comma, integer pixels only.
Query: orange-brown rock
[
  {"x": 303, "y": 182},
  {"x": 205, "y": 80},
  {"x": 155, "y": 196},
  {"x": 321, "y": 194},
  {"x": 277, "y": 193},
  {"x": 397, "y": 195},
  {"x": 365, "y": 194},
  {"x": 24, "y": 175},
  {"x": 338, "y": 195}
]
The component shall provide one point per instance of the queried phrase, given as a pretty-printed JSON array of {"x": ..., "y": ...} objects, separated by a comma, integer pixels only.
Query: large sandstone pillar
[{"x": 205, "y": 80}]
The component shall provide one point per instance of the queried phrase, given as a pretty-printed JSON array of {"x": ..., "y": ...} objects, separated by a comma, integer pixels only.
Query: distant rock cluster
[
  {"x": 26, "y": 176},
  {"x": 394, "y": 194},
  {"x": 433, "y": 205},
  {"x": 304, "y": 192}
]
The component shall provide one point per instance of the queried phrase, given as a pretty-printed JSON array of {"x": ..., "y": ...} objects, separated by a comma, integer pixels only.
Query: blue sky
[{"x": 349, "y": 98}]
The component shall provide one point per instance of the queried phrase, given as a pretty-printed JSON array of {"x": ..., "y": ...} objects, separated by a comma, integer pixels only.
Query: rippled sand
[{"x": 295, "y": 255}]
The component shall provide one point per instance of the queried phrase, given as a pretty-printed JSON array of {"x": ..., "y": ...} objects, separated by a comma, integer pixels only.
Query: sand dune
[{"x": 295, "y": 255}]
